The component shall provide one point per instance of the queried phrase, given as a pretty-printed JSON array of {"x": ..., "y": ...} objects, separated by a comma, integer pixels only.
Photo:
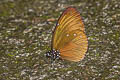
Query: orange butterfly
[{"x": 69, "y": 40}]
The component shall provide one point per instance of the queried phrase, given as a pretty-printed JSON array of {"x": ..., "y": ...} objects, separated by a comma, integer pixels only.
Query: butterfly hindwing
[{"x": 75, "y": 49}]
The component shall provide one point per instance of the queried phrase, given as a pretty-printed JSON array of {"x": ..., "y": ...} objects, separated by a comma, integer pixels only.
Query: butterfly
[{"x": 69, "y": 40}]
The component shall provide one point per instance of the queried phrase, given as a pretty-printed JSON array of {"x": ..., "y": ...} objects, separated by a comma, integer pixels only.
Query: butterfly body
[
  {"x": 53, "y": 54},
  {"x": 69, "y": 39}
]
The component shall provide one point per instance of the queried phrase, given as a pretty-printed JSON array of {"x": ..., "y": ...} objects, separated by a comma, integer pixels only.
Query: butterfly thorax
[{"x": 53, "y": 54}]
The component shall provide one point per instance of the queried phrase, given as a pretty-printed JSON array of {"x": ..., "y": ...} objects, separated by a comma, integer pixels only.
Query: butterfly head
[{"x": 53, "y": 54}]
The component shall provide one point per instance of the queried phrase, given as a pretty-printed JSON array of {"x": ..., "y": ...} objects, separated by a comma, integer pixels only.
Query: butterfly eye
[{"x": 58, "y": 24}]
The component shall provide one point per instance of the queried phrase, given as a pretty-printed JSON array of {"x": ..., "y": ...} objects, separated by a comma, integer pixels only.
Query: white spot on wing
[
  {"x": 80, "y": 36},
  {"x": 67, "y": 35},
  {"x": 75, "y": 34}
]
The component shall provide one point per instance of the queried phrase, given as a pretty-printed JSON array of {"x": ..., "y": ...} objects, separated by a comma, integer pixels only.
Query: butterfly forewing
[{"x": 69, "y": 37}]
